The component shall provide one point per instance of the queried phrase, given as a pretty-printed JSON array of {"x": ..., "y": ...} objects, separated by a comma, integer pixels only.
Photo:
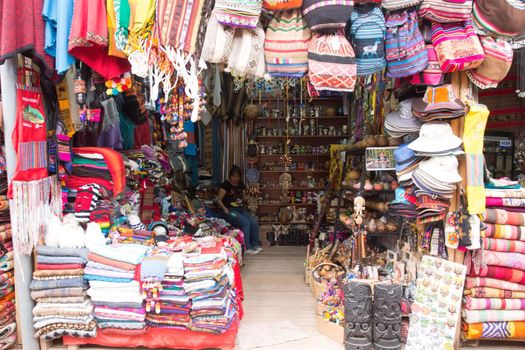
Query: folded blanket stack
[
  {"x": 58, "y": 287},
  {"x": 7, "y": 289},
  {"x": 208, "y": 281},
  {"x": 116, "y": 296},
  {"x": 127, "y": 235},
  {"x": 494, "y": 303},
  {"x": 168, "y": 305}
]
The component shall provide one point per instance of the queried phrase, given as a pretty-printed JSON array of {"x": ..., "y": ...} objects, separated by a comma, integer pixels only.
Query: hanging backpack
[
  {"x": 394, "y": 5},
  {"x": 500, "y": 17},
  {"x": 446, "y": 11},
  {"x": 247, "y": 55},
  {"x": 404, "y": 45},
  {"x": 495, "y": 66},
  {"x": 286, "y": 45},
  {"x": 367, "y": 34},
  {"x": 280, "y": 5},
  {"x": 457, "y": 46},
  {"x": 239, "y": 14},
  {"x": 327, "y": 16},
  {"x": 432, "y": 75},
  {"x": 331, "y": 61},
  {"x": 218, "y": 41}
]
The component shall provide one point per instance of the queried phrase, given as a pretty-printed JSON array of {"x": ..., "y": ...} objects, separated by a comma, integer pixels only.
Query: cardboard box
[
  {"x": 320, "y": 308},
  {"x": 331, "y": 330}
]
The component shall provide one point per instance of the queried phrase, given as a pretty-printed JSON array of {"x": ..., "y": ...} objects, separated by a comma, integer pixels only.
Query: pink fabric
[
  {"x": 473, "y": 282},
  {"x": 504, "y": 245},
  {"x": 505, "y": 202},
  {"x": 502, "y": 273},
  {"x": 512, "y": 260},
  {"x": 494, "y": 304}
]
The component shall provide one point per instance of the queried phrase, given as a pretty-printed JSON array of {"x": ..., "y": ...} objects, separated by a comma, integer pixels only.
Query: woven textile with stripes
[
  {"x": 331, "y": 61},
  {"x": 286, "y": 45},
  {"x": 446, "y": 11},
  {"x": 500, "y": 17},
  {"x": 327, "y": 16}
]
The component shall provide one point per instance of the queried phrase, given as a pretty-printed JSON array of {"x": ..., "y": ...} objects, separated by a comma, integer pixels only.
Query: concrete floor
[{"x": 275, "y": 290}]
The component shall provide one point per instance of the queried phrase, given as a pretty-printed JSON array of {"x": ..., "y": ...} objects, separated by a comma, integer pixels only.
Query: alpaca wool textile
[
  {"x": 503, "y": 217},
  {"x": 486, "y": 292},
  {"x": 494, "y": 330},
  {"x": 503, "y": 245},
  {"x": 508, "y": 232},
  {"x": 24, "y": 33},
  {"x": 473, "y": 282},
  {"x": 479, "y": 316},
  {"x": 178, "y": 23},
  {"x": 494, "y": 304}
]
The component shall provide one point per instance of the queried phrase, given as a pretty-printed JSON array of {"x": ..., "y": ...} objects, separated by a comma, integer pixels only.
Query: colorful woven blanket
[
  {"x": 512, "y": 260},
  {"x": 487, "y": 292},
  {"x": 494, "y": 304},
  {"x": 473, "y": 282},
  {"x": 505, "y": 202},
  {"x": 503, "y": 245},
  {"x": 477, "y": 316},
  {"x": 509, "y": 193},
  {"x": 494, "y": 330},
  {"x": 503, "y": 217},
  {"x": 505, "y": 232},
  {"x": 502, "y": 273}
]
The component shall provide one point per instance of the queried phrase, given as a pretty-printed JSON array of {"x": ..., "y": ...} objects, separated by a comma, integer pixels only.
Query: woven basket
[{"x": 318, "y": 288}]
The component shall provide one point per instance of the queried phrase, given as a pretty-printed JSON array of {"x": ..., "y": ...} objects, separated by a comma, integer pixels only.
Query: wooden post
[{"x": 23, "y": 264}]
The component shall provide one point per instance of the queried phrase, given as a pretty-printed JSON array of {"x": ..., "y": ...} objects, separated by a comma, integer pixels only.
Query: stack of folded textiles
[
  {"x": 58, "y": 287},
  {"x": 128, "y": 235},
  {"x": 7, "y": 290},
  {"x": 114, "y": 292},
  {"x": 170, "y": 306},
  {"x": 494, "y": 305},
  {"x": 209, "y": 281}
]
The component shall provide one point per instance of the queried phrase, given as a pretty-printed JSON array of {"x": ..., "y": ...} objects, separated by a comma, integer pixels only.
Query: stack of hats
[
  {"x": 439, "y": 102},
  {"x": 406, "y": 163},
  {"x": 402, "y": 122},
  {"x": 436, "y": 139},
  {"x": 400, "y": 206}
]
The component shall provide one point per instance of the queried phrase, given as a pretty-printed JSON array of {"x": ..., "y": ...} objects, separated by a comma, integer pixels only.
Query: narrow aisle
[{"x": 275, "y": 291}]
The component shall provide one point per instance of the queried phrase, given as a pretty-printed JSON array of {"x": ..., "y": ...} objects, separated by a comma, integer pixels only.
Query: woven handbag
[
  {"x": 394, "y": 5},
  {"x": 327, "y": 16},
  {"x": 446, "y": 11},
  {"x": 457, "y": 46},
  {"x": 279, "y": 5},
  {"x": 331, "y": 61},
  {"x": 500, "y": 17},
  {"x": 404, "y": 45},
  {"x": 495, "y": 66},
  {"x": 218, "y": 41},
  {"x": 286, "y": 45},
  {"x": 367, "y": 35},
  {"x": 432, "y": 75},
  {"x": 246, "y": 58},
  {"x": 238, "y": 13}
]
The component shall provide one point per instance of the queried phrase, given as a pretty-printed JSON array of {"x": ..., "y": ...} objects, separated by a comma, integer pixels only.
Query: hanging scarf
[{"x": 122, "y": 13}]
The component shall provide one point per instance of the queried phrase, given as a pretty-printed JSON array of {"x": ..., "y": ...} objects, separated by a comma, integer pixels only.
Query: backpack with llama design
[{"x": 366, "y": 31}]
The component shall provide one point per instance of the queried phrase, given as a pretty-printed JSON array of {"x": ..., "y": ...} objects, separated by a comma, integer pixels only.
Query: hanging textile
[
  {"x": 22, "y": 31},
  {"x": 58, "y": 16},
  {"x": 35, "y": 195},
  {"x": 178, "y": 23},
  {"x": 88, "y": 40}
]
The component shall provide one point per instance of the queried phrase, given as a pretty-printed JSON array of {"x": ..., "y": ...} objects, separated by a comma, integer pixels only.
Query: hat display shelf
[{"x": 293, "y": 134}]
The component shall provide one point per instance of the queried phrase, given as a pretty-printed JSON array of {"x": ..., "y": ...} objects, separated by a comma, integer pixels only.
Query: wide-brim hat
[
  {"x": 444, "y": 169},
  {"x": 438, "y": 98},
  {"x": 405, "y": 157},
  {"x": 435, "y": 137}
]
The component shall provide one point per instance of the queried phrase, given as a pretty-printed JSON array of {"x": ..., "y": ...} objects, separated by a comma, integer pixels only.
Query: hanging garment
[
  {"x": 88, "y": 40},
  {"x": 58, "y": 16},
  {"x": 22, "y": 30},
  {"x": 178, "y": 22},
  {"x": 475, "y": 122},
  {"x": 112, "y": 28}
]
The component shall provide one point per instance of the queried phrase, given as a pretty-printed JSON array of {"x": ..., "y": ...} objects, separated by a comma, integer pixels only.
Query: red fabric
[
  {"x": 142, "y": 135},
  {"x": 115, "y": 164},
  {"x": 160, "y": 338},
  {"x": 75, "y": 182},
  {"x": 22, "y": 30},
  {"x": 88, "y": 40},
  {"x": 58, "y": 266},
  {"x": 29, "y": 135}
]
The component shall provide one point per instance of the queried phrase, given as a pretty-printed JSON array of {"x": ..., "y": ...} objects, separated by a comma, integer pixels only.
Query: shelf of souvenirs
[
  {"x": 288, "y": 223},
  {"x": 295, "y": 171},
  {"x": 324, "y": 118},
  {"x": 293, "y": 155},
  {"x": 281, "y": 204},
  {"x": 293, "y": 188},
  {"x": 366, "y": 192},
  {"x": 304, "y": 137}
]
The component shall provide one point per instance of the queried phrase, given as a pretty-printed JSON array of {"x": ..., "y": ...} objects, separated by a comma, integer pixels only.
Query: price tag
[{"x": 505, "y": 143}]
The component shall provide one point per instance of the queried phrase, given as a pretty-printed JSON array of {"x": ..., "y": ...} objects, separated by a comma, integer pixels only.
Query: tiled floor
[{"x": 275, "y": 290}]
